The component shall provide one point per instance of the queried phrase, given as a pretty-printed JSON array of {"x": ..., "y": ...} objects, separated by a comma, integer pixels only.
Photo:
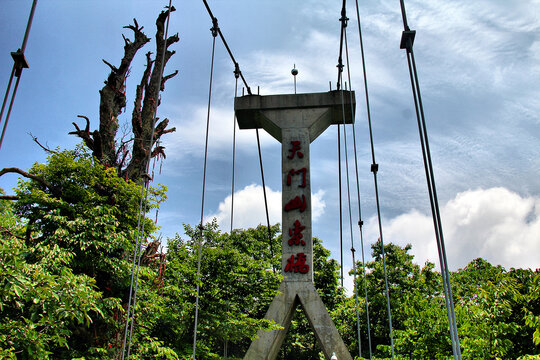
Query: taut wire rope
[
  {"x": 344, "y": 21},
  {"x": 350, "y": 219},
  {"x": 340, "y": 202},
  {"x": 236, "y": 76},
  {"x": 374, "y": 169},
  {"x": 18, "y": 65},
  {"x": 256, "y": 130},
  {"x": 360, "y": 221},
  {"x": 407, "y": 41},
  {"x": 142, "y": 210},
  {"x": 214, "y": 31},
  {"x": 368, "y": 111}
]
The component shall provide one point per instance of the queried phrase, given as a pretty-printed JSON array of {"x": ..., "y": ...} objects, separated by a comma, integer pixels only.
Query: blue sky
[{"x": 478, "y": 64}]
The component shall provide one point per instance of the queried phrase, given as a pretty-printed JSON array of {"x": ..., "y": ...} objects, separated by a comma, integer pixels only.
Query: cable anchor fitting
[
  {"x": 340, "y": 65},
  {"x": 344, "y": 19},
  {"x": 374, "y": 168},
  {"x": 407, "y": 39},
  {"x": 20, "y": 62},
  {"x": 236, "y": 70},
  {"x": 215, "y": 28}
]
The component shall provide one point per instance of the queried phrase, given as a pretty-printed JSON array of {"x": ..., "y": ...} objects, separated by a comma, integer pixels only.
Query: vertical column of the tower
[
  {"x": 295, "y": 121},
  {"x": 297, "y": 258}
]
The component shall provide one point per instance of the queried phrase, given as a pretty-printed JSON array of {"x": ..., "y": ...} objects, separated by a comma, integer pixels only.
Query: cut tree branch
[
  {"x": 113, "y": 68},
  {"x": 165, "y": 78}
]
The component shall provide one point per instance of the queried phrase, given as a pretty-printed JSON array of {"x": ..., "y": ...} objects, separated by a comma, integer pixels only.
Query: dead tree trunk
[{"x": 111, "y": 152}]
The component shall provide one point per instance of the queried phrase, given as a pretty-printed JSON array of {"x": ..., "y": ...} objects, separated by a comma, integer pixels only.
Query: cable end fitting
[
  {"x": 407, "y": 39},
  {"x": 215, "y": 28},
  {"x": 340, "y": 65},
  {"x": 236, "y": 70},
  {"x": 360, "y": 223},
  {"x": 374, "y": 168},
  {"x": 344, "y": 17},
  {"x": 20, "y": 62}
]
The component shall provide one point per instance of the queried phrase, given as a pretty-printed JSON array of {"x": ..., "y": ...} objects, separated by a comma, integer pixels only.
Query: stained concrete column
[{"x": 296, "y": 120}]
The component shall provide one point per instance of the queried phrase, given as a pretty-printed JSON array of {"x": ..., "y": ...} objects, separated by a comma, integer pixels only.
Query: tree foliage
[{"x": 66, "y": 244}]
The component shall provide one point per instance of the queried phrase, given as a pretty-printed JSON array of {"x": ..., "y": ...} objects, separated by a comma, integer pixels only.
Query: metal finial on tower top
[{"x": 294, "y": 72}]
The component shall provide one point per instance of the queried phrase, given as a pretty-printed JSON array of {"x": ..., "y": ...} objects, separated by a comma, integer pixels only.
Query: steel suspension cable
[
  {"x": 214, "y": 30},
  {"x": 134, "y": 269},
  {"x": 360, "y": 221},
  {"x": 368, "y": 111},
  {"x": 142, "y": 210},
  {"x": 256, "y": 130},
  {"x": 340, "y": 202},
  {"x": 18, "y": 65},
  {"x": 407, "y": 41},
  {"x": 344, "y": 20},
  {"x": 374, "y": 169},
  {"x": 350, "y": 218},
  {"x": 236, "y": 75}
]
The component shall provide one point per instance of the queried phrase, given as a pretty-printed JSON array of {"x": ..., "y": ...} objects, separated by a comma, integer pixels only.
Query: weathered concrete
[
  {"x": 268, "y": 343},
  {"x": 315, "y": 111},
  {"x": 295, "y": 121}
]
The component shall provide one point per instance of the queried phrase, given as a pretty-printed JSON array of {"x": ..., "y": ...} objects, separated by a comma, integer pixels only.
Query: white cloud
[
  {"x": 495, "y": 224},
  {"x": 249, "y": 207},
  {"x": 190, "y": 135}
]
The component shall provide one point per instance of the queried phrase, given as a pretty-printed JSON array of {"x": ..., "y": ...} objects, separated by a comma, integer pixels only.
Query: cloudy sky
[{"x": 479, "y": 69}]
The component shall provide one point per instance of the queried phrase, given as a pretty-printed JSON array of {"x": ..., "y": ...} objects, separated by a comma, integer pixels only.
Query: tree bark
[{"x": 132, "y": 164}]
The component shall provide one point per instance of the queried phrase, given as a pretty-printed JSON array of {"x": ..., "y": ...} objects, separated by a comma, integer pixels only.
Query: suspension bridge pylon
[{"x": 296, "y": 120}]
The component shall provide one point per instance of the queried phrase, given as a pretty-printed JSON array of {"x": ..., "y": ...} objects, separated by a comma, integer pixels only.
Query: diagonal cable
[
  {"x": 19, "y": 64},
  {"x": 256, "y": 130},
  {"x": 407, "y": 41}
]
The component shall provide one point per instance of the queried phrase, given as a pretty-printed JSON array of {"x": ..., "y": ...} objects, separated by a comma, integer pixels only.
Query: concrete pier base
[{"x": 291, "y": 294}]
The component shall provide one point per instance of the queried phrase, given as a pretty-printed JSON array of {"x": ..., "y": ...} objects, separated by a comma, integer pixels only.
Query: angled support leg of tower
[{"x": 295, "y": 121}]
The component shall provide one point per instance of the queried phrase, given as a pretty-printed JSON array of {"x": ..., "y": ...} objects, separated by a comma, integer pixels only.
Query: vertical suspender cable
[
  {"x": 236, "y": 76},
  {"x": 407, "y": 41},
  {"x": 350, "y": 219},
  {"x": 214, "y": 30},
  {"x": 344, "y": 20},
  {"x": 340, "y": 202},
  {"x": 19, "y": 64},
  {"x": 140, "y": 218},
  {"x": 360, "y": 221},
  {"x": 374, "y": 169},
  {"x": 256, "y": 132}
]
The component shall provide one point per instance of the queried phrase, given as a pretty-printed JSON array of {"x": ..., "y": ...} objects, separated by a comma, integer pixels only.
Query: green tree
[
  {"x": 492, "y": 305},
  {"x": 42, "y": 302},
  {"x": 237, "y": 284},
  {"x": 75, "y": 223}
]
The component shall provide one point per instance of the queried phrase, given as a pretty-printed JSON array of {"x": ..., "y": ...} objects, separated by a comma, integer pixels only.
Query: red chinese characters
[
  {"x": 296, "y": 234},
  {"x": 292, "y": 172},
  {"x": 295, "y": 150},
  {"x": 297, "y": 203},
  {"x": 297, "y": 264}
]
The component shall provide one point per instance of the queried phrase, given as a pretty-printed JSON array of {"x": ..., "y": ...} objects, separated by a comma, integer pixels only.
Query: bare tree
[{"x": 130, "y": 156}]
